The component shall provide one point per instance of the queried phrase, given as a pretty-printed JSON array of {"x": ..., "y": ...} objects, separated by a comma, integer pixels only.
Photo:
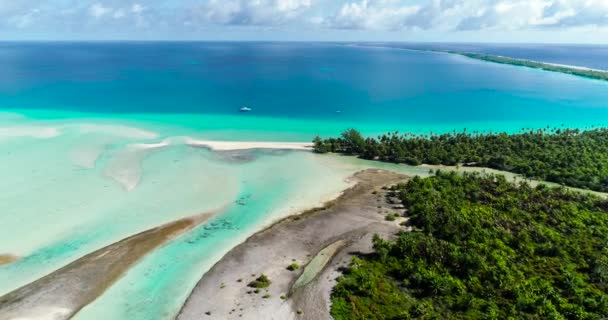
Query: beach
[
  {"x": 248, "y": 145},
  {"x": 320, "y": 241}
]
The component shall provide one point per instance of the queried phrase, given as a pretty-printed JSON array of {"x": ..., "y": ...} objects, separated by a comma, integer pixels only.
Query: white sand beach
[{"x": 248, "y": 145}]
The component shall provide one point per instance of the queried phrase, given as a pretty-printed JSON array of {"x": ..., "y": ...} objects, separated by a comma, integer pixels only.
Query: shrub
[
  {"x": 391, "y": 217},
  {"x": 293, "y": 267},
  {"x": 261, "y": 282}
]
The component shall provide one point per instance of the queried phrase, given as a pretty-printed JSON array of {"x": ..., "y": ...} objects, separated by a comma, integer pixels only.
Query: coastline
[
  {"x": 588, "y": 73},
  {"x": 579, "y": 71},
  {"x": 340, "y": 227}
]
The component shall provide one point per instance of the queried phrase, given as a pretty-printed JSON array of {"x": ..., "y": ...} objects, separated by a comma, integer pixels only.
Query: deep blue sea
[{"x": 388, "y": 88}]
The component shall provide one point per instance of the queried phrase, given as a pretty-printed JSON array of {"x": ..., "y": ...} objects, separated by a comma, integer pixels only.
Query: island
[
  {"x": 576, "y": 71},
  {"x": 453, "y": 245}
]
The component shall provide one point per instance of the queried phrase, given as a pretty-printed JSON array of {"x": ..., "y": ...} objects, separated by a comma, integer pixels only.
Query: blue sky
[{"x": 560, "y": 21}]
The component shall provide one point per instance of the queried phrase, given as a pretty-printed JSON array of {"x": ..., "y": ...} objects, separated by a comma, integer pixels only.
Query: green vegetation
[
  {"x": 566, "y": 156},
  {"x": 293, "y": 267},
  {"x": 486, "y": 249},
  {"x": 261, "y": 282},
  {"x": 581, "y": 72},
  {"x": 391, "y": 217}
]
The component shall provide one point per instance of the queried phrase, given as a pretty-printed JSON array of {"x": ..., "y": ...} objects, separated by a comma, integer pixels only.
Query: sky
[{"x": 523, "y": 21}]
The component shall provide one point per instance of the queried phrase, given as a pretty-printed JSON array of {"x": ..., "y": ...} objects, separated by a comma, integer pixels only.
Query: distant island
[
  {"x": 570, "y": 157},
  {"x": 576, "y": 71},
  {"x": 584, "y": 72}
]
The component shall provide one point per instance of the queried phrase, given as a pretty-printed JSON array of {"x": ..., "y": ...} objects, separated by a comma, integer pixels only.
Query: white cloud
[
  {"x": 137, "y": 8},
  {"x": 401, "y": 17},
  {"x": 373, "y": 15},
  {"x": 119, "y": 13},
  {"x": 468, "y": 14},
  {"x": 97, "y": 10},
  {"x": 256, "y": 12},
  {"x": 23, "y": 20}
]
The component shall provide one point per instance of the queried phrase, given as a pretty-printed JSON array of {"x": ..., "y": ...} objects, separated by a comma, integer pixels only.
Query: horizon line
[{"x": 291, "y": 41}]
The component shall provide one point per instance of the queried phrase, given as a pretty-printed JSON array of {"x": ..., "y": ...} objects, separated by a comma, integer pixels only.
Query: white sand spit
[{"x": 247, "y": 145}]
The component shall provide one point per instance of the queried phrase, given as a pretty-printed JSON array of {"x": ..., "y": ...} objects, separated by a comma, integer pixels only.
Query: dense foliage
[
  {"x": 570, "y": 157},
  {"x": 484, "y": 248},
  {"x": 581, "y": 72}
]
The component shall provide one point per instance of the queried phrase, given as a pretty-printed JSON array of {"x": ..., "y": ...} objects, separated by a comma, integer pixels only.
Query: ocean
[
  {"x": 341, "y": 85},
  {"x": 92, "y": 141}
]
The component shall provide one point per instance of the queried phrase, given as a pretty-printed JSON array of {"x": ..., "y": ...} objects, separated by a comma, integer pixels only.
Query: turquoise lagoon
[{"x": 92, "y": 148}]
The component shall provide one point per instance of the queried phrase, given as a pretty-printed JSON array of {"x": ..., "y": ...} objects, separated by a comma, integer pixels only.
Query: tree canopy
[
  {"x": 566, "y": 156},
  {"x": 484, "y": 248}
]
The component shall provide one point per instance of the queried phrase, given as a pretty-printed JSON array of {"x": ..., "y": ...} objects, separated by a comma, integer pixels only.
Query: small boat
[
  {"x": 245, "y": 109},
  {"x": 338, "y": 111}
]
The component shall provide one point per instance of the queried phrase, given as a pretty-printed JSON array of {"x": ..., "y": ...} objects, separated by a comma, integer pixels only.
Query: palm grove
[
  {"x": 484, "y": 247},
  {"x": 569, "y": 157}
]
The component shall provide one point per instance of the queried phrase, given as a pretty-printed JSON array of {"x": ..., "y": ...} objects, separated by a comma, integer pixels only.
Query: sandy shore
[
  {"x": 320, "y": 240},
  {"x": 248, "y": 145},
  {"x": 64, "y": 292}
]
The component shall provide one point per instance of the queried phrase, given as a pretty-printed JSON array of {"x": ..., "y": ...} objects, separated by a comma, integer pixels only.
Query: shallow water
[{"x": 92, "y": 147}]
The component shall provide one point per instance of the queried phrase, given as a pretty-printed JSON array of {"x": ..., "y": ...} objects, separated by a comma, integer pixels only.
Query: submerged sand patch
[
  {"x": 74, "y": 286},
  {"x": 7, "y": 259}
]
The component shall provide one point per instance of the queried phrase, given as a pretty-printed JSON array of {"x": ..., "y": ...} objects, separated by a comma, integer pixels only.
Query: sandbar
[
  {"x": 7, "y": 259},
  {"x": 63, "y": 293},
  {"x": 320, "y": 240},
  {"x": 248, "y": 145}
]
